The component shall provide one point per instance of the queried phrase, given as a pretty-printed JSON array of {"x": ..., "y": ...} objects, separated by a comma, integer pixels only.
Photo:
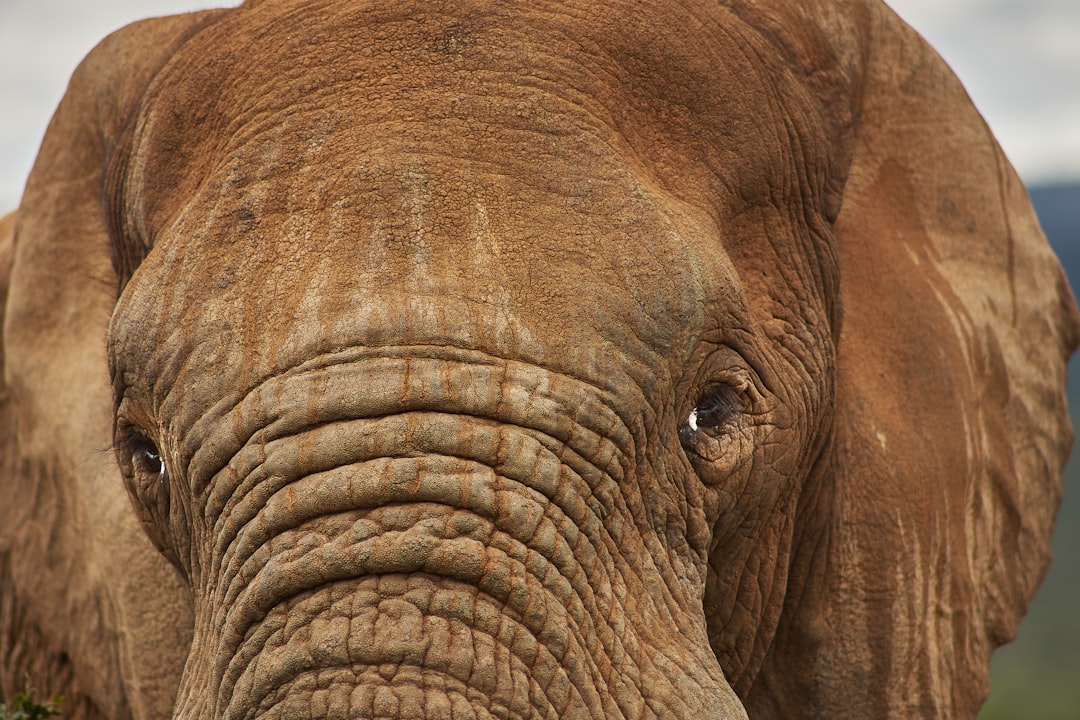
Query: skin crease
[{"x": 551, "y": 360}]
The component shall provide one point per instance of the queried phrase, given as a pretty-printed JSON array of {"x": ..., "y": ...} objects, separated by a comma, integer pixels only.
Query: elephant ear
[
  {"x": 87, "y": 607},
  {"x": 951, "y": 426}
]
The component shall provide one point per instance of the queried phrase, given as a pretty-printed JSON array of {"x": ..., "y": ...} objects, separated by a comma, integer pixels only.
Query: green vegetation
[{"x": 23, "y": 707}]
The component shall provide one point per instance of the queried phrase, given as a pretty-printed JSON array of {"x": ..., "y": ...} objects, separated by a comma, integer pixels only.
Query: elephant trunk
[{"x": 444, "y": 550}]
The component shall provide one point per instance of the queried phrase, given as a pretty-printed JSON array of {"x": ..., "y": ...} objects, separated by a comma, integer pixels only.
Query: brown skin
[{"x": 524, "y": 360}]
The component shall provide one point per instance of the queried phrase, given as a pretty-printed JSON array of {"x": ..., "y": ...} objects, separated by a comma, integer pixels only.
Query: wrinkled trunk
[{"x": 410, "y": 537}]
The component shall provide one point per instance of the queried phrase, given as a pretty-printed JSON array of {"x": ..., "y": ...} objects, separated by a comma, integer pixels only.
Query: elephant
[{"x": 502, "y": 359}]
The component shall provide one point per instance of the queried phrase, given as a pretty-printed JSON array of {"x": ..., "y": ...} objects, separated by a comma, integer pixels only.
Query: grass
[{"x": 23, "y": 707}]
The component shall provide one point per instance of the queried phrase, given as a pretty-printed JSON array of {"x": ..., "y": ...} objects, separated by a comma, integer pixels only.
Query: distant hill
[
  {"x": 1058, "y": 208},
  {"x": 1038, "y": 676}
]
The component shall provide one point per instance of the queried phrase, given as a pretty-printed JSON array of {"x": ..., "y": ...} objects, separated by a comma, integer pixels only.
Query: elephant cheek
[{"x": 439, "y": 585}]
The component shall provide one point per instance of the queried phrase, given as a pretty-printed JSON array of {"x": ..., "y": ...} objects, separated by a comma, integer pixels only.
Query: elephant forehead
[
  {"x": 298, "y": 161},
  {"x": 413, "y": 249}
]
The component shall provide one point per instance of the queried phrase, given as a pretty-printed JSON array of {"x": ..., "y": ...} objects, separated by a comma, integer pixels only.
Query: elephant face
[
  {"x": 469, "y": 411},
  {"x": 537, "y": 361}
]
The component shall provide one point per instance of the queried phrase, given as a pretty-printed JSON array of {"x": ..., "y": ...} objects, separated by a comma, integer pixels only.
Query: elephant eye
[
  {"x": 704, "y": 430},
  {"x": 715, "y": 407},
  {"x": 147, "y": 475},
  {"x": 147, "y": 460}
]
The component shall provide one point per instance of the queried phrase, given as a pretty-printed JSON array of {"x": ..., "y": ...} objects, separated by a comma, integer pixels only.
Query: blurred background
[{"x": 1020, "y": 61}]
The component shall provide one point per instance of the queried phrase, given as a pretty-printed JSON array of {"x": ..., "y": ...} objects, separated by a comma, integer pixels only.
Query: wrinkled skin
[{"x": 524, "y": 360}]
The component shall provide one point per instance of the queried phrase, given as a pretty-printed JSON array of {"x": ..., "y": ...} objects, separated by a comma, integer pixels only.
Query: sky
[{"x": 1019, "y": 59}]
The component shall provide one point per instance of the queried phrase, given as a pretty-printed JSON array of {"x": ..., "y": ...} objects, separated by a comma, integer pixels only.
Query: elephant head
[{"x": 525, "y": 360}]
